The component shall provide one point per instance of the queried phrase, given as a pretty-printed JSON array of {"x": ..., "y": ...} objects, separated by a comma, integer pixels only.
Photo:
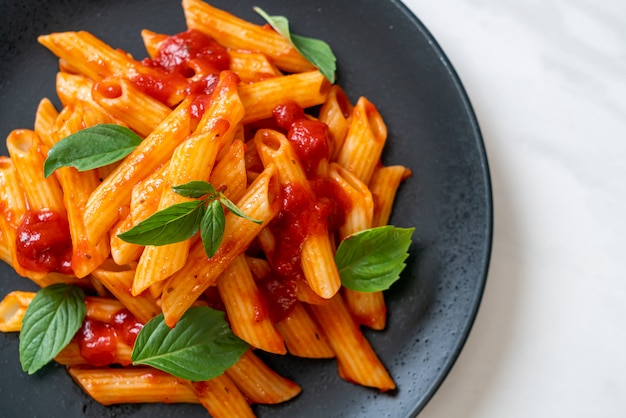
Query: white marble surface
[{"x": 547, "y": 79}]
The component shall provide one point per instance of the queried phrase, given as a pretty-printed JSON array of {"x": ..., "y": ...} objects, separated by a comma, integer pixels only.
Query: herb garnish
[
  {"x": 316, "y": 51},
  {"x": 50, "y": 322},
  {"x": 92, "y": 147},
  {"x": 371, "y": 260},
  {"x": 200, "y": 347},
  {"x": 181, "y": 221}
]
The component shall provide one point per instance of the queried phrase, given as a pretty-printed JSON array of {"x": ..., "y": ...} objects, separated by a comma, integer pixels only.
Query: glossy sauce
[
  {"x": 303, "y": 212},
  {"x": 189, "y": 60},
  {"x": 97, "y": 340},
  {"x": 44, "y": 243}
]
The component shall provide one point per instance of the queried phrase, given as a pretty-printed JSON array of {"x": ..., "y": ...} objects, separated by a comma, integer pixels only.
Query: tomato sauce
[
  {"x": 304, "y": 211},
  {"x": 190, "y": 61},
  {"x": 97, "y": 340},
  {"x": 44, "y": 243}
]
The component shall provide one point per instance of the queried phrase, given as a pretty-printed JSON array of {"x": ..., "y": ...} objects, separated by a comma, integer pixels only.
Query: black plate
[{"x": 385, "y": 54}]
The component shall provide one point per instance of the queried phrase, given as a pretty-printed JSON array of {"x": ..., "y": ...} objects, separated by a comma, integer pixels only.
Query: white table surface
[{"x": 547, "y": 79}]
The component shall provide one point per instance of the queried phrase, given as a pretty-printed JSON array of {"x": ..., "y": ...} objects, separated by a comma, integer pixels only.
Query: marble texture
[{"x": 547, "y": 80}]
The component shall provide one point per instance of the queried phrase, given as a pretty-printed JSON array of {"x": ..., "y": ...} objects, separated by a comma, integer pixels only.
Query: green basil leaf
[
  {"x": 371, "y": 260},
  {"x": 92, "y": 147},
  {"x": 50, "y": 322},
  {"x": 173, "y": 224},
  {"x": 212, "y": 227},
  {"x": 195, "y": 189},
  {"x": 316, "y": 51},
  {"x": 235, "y": 210},
  {"x": 200, "y": 347}
]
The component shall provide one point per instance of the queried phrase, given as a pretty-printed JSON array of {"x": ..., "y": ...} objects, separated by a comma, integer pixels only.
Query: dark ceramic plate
[{"x": 385, "y": 54}]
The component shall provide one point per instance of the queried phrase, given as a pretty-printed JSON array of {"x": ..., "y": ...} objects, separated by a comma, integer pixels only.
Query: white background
[{"x": 547, "y": 79}]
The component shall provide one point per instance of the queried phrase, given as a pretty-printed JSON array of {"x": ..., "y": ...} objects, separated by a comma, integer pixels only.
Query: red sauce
[
  {"x": 304, "y": 212},
  {"x": 191, "y": 60},
  {"x": 310, "y": 138},
  {"x": 98, "y": 340},
  {"x": 108, "y": 89},
  {"x": 44, "y": 243},
  {"x": 332, "y": 203},
  {"x": 311, "y": 142},
  {"x": 126, "y": 326},
  {"x": 280, "y": 295}
]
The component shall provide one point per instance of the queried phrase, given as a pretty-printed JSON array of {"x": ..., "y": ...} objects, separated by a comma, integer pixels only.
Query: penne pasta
[
  {"x": 363, "y": 145},
  {"x": 246, "y": 308},
  {"x": 233, "y": 32},
  {"x": 260, "y": 384},
  {"x": 258, "y": 203},
  {"x": 227, "y": 102},
  {"x": 356, "y": 359},
  {"x": 222, "y": 398},
  {"x": 45, "y": 117},
  {"x": 336, "y": 112},
  {"x": 317, "y": 255},
  {"x": 127, "y": 103},
  {"x": 27, "y": 153},
  {"x": 137, "y": 385},
  {"x": 101, "y": 208},
  {"x": 384, "y": 184},
  {"x": 260, "y": 98}
]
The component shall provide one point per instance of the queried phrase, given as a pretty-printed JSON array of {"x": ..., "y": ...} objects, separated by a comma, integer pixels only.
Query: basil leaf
[
  {"x": 51, "y": 320},
  {"x": 235, "y": 210},
  {"x": 212, "y": 227},
  {"x": 173, "y": 224},
  {"x": 195, "y": 189},
  {"x": 316, "y": 51},
  {"x": 200, "y": 347},
  {"x": 371, "y": 260},
  {"x": 92, "y": 147}
]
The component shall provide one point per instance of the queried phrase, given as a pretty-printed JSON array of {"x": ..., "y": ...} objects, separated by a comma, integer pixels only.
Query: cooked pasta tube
[
  {"x": 118, "y": 280},
  {"x": 12, "y": 310},
  {"x": 368, "y": 308},
  {"x": 260, "y": 98},
  {"x": 14, "y": 206},
  {"x": 90, "y": 56},
  {"x": 192, "y": 160},
  {"x": 237, "y": 33},
  {"x": 260, "y": 384},
  {"x": 127, "y": 103},
  {"x": 115, "y": 191},
  {"x": 221, "y": 397},
  {"x": 356, "y": 360},
  {"x": 110, "y": 386},
  {"x": 317, "y": 254},
  {"x": 77, "y": 186},
  {"x": 229, "y": 174},
  {"x": 366, "y": 136},
  {"x": 336, "y": 112},
  {"x": 384, "y": 184},
  {"x": 45, "y": 117},
  {"x": 200, "y": 272},
  {"x": 28, "y": 155},
  {"x": 303, "y": 336},
  {"x": 246, "y": 308}
]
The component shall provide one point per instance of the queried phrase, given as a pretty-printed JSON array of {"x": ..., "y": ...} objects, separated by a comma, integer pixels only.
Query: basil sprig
[
  {"x": 372, "y": 260},
  {"x": 316, "y": 51},
  {"x": 92, "y": 147},
  {"x": 200, "y": 347},
  {"x": 181, "y": 221},
  {"x": 50, "y": 322}
]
